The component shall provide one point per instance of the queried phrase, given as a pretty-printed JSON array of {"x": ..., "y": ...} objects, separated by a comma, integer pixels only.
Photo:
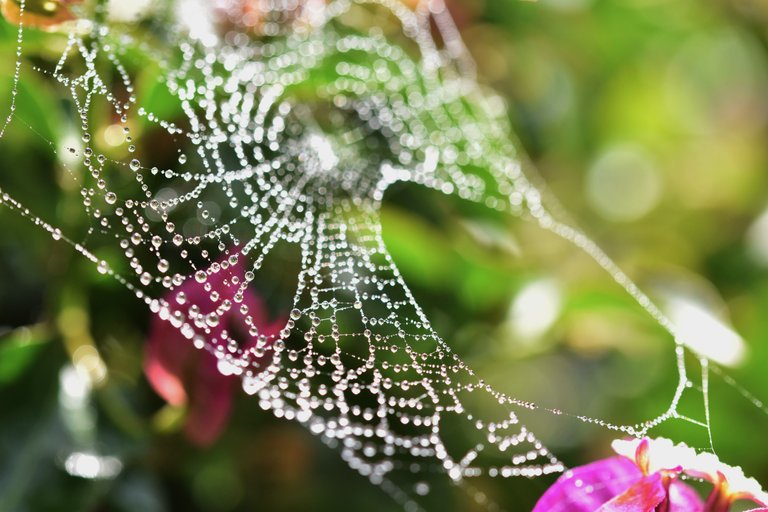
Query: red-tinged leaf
[{"x": 47, "y": 15}]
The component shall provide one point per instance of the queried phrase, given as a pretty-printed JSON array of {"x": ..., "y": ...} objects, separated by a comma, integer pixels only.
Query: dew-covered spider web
[{"x": 294, "y": 137}]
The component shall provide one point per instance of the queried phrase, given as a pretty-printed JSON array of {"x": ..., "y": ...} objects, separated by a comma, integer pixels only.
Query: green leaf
[
  {"x": 421, "y": 252},
  {"x": 156, "y": 98},
  {"x": 17, "y": 352}
]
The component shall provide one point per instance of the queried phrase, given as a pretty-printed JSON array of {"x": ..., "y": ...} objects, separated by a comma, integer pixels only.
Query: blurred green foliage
[{"x": 646, "y": 119}]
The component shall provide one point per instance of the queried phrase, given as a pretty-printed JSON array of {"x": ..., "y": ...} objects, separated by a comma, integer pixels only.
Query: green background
[{"x": 646, "y": 119}]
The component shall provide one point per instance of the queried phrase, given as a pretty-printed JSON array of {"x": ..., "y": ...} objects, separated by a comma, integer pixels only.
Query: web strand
[{"x": 358, "y": 362}]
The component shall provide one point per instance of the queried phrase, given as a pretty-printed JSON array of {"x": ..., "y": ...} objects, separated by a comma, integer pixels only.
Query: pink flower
[
  {"x": 186, "y": 376},
  {"x": 645, "y": 478},
  {"x": 729, "y": 482}
]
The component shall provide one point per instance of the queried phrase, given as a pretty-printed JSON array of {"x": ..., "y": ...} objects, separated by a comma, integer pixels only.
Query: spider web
[{"x": 295, "y": 138}]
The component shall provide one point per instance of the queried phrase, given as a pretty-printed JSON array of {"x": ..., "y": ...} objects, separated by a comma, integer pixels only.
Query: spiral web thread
[{"x": 261, "y": 161}]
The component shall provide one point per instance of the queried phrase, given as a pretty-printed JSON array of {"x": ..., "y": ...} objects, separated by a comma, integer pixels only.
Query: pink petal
[
  {"x": 643, "y": 496},
  {"x": 683, "y": 498},
  {"x": 165, "y": 382},
  {"x": 181, "y": 374},
  {"x": 586, "y": 488},
  {"x": 167, "y": 354},
  {"x": 259, "y": 314},
  {"x": 211, "y": 402},
  {"x": 641, "y": 456},
  {"x": 256, "y": 308},
  {"x": 220, "y": 282}
]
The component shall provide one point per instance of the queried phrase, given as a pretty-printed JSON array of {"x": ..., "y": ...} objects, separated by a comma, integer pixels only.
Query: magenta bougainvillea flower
[
  {"x": 185, "y": 376},
  {"x": 645, "y": 477}
]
